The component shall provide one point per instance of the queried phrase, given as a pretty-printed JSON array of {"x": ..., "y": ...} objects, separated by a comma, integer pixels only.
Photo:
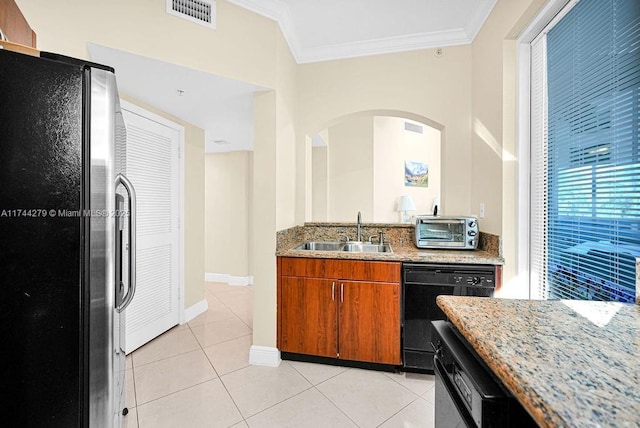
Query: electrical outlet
[{"x": 482, "y": 210}]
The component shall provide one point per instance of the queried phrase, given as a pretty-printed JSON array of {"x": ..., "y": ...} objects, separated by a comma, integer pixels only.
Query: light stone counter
[
  {"x": 570, "y": 363},
  {"x": 399, "y": 236}
]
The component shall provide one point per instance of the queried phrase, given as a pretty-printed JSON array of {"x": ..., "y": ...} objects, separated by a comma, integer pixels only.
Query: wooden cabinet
[
  {"x": 14, "y": 25},
  {"x": 369, "y": 322},
  {"x": 309, "y": 316},
  {"x": 347, "y": 309}
]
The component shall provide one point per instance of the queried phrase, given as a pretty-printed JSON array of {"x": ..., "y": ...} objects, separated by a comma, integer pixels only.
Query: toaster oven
[{"x": 459, "y": 233}]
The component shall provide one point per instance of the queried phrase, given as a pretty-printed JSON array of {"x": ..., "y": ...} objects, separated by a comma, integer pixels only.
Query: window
[{"x": 585, "y": 153}]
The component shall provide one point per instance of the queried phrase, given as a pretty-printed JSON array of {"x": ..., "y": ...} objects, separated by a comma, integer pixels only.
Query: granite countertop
[
  {"x": 399, "y": 236},
  {"x": 404, "y": 254},
  {"x": 570, "y": 363}
]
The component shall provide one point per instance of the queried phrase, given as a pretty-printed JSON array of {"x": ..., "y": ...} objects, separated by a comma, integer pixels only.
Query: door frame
[{"x": 140, "y": 111}]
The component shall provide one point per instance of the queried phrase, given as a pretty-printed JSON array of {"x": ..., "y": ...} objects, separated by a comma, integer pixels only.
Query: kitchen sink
[
  {"x": 365, "y": 247},
  {"x": 320, "y": 246},
  {"x": 350, "y": 247}
]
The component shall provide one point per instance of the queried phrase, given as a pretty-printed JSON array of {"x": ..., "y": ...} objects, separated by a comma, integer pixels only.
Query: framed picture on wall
[{"x": 416, "y": 174}]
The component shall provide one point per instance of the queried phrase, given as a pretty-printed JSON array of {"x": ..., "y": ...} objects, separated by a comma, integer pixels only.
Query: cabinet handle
[
  {"x": 333, "y": 291},
  {"x": 341, "y": 293}
]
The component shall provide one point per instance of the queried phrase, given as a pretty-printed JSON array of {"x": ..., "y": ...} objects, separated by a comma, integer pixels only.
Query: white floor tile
[
  {"x": 220, "y": 331},
  {"x": 418, "y": 414},
  {"x": 230, "y": 355},
  {"x": 256, "y": 388},
  {"x": 173, "y": 342},
  {"x": 430, "y": 395},
  {"x": 212, "y": 314},
  {"x": 308, "y": 409},
  {"x": 317, "y": 373},
  {"x": 205, "y": 405},
  {"x": 415, "y": 382},
  {"x": 173, "y": 382},
  {"x": 167, "y": 376},
  {"x": 367, "y": 397},
  {"x": 130, "y": 390},
  {"x": 179, "y": 327},
  {"x": 246, "y": 317}
]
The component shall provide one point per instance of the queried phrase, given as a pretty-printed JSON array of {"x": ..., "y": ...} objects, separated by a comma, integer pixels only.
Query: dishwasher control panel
[
  {"x": 479, "y": 279},
  {"x": 463, "y": 275}
]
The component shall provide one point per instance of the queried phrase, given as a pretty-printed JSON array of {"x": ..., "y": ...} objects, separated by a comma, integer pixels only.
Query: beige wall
[
  {"x": 241, "y": 47},
  {"x": 418, "y": 83},
  {"x": 228, "y": 178},
  {"x": 362, "y": 169},
  {"x": 350, "y": 170},
  {"x": 392, "y": 146},
  {"x": 276, "y": 184},
  {"x": 320, "y": 183}
]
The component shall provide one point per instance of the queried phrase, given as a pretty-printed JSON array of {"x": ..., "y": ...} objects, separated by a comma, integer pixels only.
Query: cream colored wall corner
[
  {"x": 350, "y": 170},
  {"x": 320, "y": 185},
  {"x": 275, "y": 188},
  {"x": 193, "y": 220},
  {"x": 494, "y": 125},
  {"x": 416, "y": 83},
  {"x": 264, "y": 219},
  {"x": 393, "y": 145},
  {"x": 227, "y": 213}
]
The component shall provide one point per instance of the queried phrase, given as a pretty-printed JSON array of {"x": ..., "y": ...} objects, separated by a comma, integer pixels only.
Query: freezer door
[{"x": 106, "y": 359}]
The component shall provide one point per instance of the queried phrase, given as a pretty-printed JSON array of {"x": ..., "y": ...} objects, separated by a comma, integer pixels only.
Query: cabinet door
[
  {"x": 309, "y": 322},
  {"x": 14, "y": 25},
  {"x": 369, "y": 321}
]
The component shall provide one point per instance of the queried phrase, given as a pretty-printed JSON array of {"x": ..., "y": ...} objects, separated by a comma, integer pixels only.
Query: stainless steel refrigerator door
[
  {"x": 42, "y": 305},
  {"x": 126, "y": 259},
  {"x": 106, "y": 360}
]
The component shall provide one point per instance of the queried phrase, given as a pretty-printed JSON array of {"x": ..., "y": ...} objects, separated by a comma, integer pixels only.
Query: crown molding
[
  {"x": 384, "y": 46},
  {"x": 279, "y": 12}
]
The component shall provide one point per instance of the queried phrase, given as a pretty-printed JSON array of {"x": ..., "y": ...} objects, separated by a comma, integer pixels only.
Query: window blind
[
  {"x": 586, "y": 221},
  {"x": 538, "y": 170}
]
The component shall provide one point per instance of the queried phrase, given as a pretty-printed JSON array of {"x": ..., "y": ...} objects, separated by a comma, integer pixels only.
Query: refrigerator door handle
[{"x": 121, "y": 179}]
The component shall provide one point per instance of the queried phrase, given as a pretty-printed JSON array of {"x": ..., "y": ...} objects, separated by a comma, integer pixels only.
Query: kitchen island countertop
[{"x": 570, "y": 363}]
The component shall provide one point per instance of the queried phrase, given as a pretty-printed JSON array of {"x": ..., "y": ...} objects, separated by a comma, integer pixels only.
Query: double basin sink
[{"x": 349, "y": 246}]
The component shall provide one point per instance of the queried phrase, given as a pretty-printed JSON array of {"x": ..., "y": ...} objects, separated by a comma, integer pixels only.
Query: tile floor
[{"x": 198, "y": 375}]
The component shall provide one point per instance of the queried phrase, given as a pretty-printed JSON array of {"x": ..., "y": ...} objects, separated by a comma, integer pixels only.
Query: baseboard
[
  {"x": 194, "y": 310},
  {"x": 228, "y": 279},
  {"x": 264, "y": 356}
]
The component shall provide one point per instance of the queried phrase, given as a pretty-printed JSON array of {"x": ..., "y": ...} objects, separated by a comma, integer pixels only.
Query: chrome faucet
[{"x": 359, "y": 226}]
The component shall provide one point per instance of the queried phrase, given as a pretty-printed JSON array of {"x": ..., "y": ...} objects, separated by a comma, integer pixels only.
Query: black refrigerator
[{"x": 67, "y": 216}]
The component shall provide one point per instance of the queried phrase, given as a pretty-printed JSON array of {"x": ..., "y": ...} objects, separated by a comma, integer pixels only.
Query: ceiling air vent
[
  {"x": 199, "y": 11},
  {"x": 413, "y": 127}
]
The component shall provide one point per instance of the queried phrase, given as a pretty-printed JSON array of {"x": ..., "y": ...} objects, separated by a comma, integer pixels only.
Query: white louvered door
[{"x": 152, "y": 165}]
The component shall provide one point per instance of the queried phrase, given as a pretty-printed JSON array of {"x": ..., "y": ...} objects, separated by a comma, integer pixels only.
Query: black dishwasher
[{"x": 421, "y": 284}]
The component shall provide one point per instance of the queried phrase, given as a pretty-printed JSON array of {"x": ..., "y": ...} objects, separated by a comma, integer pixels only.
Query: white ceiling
[
  {"x": 222, "y": 107},
  {"x": 316, "y": 30},
  {"x": 320, "y": 30}
]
